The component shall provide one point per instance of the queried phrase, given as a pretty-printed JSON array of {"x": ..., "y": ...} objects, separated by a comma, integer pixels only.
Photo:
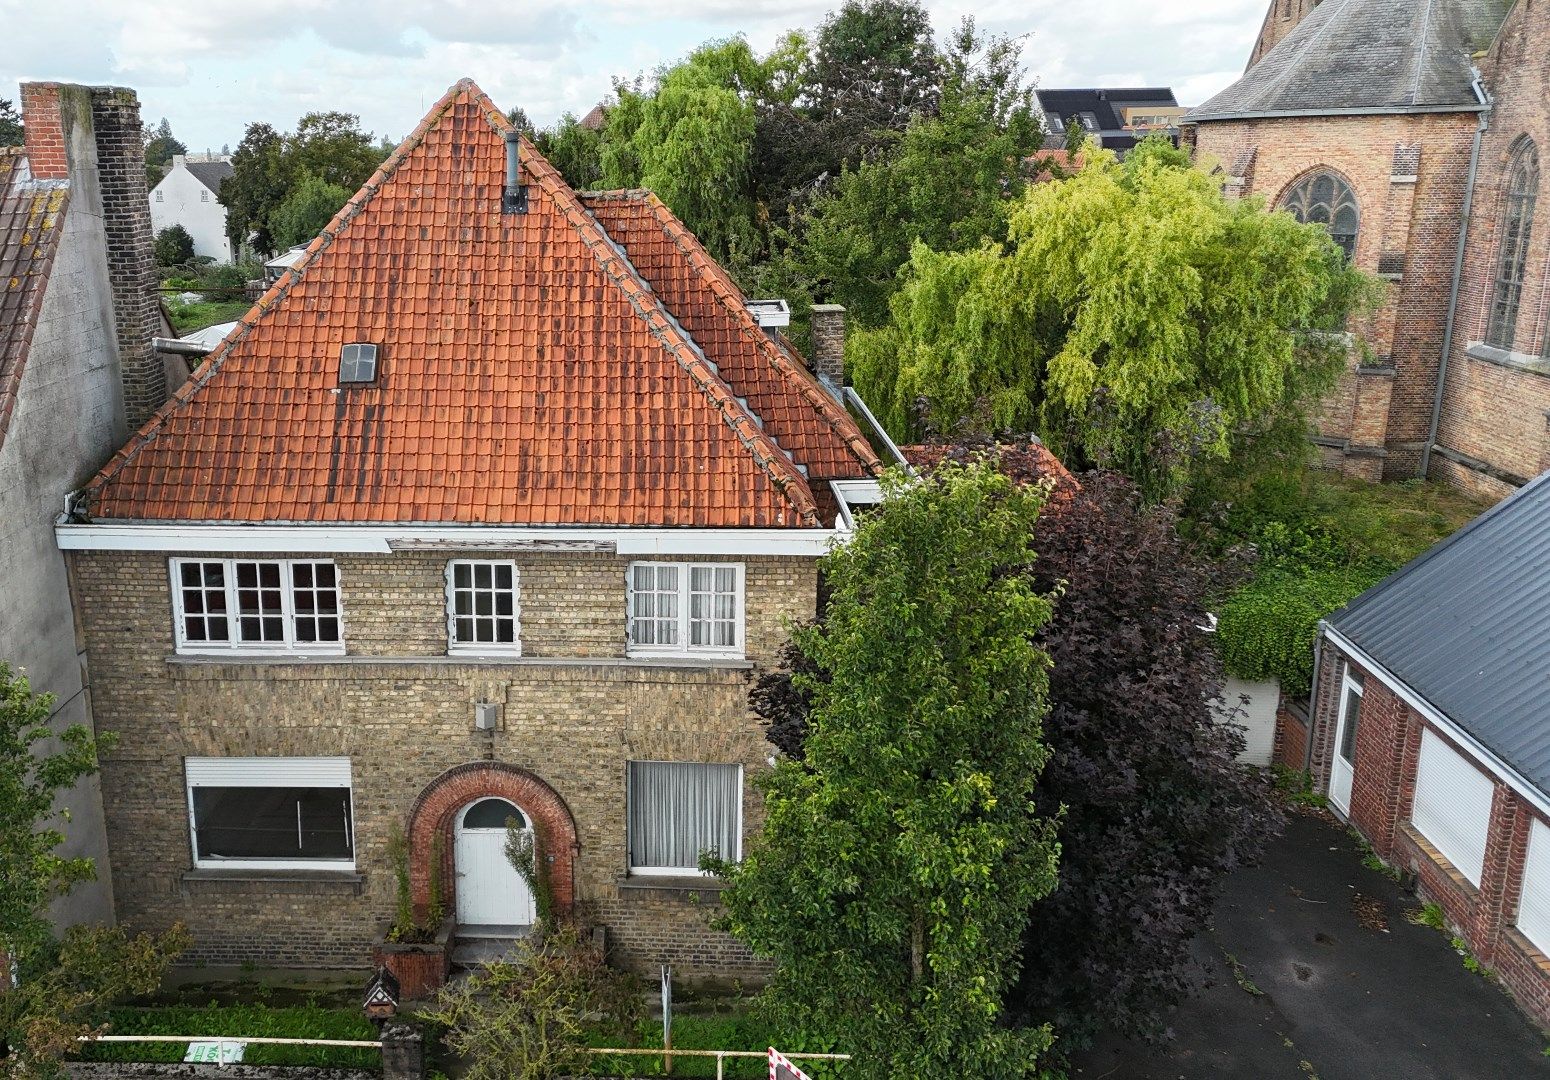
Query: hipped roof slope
[{"x": 528, "y": 375}]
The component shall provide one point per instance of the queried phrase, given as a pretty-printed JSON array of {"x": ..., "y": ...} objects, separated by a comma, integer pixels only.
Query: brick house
[
  {"x": 77, "y": 320},
  {"x": 1429, "y": 732},
  {"x": 490, "y": 508},
  {"x": 1411, "y": 130}
]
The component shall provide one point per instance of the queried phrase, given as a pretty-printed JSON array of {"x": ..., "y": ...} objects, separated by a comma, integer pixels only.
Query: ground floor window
[
  {"x": 1534, "y": 901},
  {"x": 271, "y": 813},
  {"x": 1452, "y": 806},
  {"x": 679, "y": 810}
]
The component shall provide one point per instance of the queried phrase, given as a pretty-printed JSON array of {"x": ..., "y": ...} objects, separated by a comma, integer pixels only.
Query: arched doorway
[{"x": 490, "y": 892}]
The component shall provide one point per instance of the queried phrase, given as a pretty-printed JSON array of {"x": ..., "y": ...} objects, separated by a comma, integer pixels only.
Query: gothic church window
[
  {"x": 1327, "y": 200},
  {"x": 1517, "y": 223}
]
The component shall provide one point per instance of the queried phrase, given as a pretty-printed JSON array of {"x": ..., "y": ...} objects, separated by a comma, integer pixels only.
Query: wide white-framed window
[
  {"x": 685, "y": 608},
  {"x": 270, "y": 813},
  {"x": 256, "y": 605},
  {"x": 1452, "y": 806},
  {"x": 483, "y": 609},
  {"x": 680, "y": 810},
  {"x": 1533, "y": 919}
]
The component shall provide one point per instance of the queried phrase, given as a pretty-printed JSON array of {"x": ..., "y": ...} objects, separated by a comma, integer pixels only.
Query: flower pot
[{"x": 421, "y": 968}]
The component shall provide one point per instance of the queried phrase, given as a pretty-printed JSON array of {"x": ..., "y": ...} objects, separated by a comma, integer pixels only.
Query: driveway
[{"x": 1347, "y": 987}]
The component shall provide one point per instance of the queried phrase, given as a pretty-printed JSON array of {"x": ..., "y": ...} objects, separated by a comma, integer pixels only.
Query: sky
[{"x": 213, "y": 66}]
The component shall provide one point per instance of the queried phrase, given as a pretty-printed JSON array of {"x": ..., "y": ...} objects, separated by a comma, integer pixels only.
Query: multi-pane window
[
  {"x": 1517, "y": 225},
  {"x": 680, "y": 810},
  {"x": 357, "y": 363},
  {"x": 1325, "y": 199},
  {"x": 686, "y": 608},
  {"x": 482, "y": 606},
  {"x": 271, "y": 813},
  {"x": 261, "y": 604}
]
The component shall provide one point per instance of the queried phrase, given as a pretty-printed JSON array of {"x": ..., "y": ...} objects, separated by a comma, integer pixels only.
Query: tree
[
  {"x": 519, "y": 120},
  {"x": 875, "y": 69},
  {"x": 174, "y": 246},
  {"x": 332, "y": 147},
  {"x": 1156, "y": 807},
  {"x": 899, "y": 858},
  {"x": 160, "y": 147},
  {"x": 10, "y": 124},
  {"x": 575, "y": 150},
  {"x": 947, "y": 184},
  {"x": 52, "y": 987},
  {"x": 309, "y": 207},
  {"x": 1136, "y": 318},
  {"x": 257, "y": 185}
]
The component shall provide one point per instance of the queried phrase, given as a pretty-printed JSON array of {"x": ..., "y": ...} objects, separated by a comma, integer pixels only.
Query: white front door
[
  {"x": 1343, "y": 770},
  {"x": 490, "y": 892}
]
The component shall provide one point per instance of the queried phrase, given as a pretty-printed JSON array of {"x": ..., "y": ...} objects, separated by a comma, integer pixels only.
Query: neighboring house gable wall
[
  {"x": 1388, "y": 751},
  {"x": 575, "y": 710},
  {"x": 182, "y": 199}
]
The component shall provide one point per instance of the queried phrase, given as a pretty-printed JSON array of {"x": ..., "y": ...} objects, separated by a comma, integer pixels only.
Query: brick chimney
[
  {"x": 91, "y": 136},
  {"x": 828, "y": 329}
]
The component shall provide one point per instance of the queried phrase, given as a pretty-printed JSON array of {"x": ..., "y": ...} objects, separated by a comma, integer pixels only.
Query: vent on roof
[
  {"x": 514, "y": 194},
  {"x": 357, "y": 363},
  {"x": 770, "y": 313}
]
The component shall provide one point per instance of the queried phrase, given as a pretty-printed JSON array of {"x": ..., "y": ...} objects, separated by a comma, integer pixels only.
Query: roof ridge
[
  {"x": 787, "y": 478},
  {"x": 733, "y": 302}
]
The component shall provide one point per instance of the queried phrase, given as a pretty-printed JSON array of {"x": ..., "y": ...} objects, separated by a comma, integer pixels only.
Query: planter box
[{"x": 421, "y": 968}]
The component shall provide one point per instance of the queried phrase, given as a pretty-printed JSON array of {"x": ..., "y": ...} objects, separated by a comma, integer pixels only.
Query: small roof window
[{"x": 358, "y": 363}]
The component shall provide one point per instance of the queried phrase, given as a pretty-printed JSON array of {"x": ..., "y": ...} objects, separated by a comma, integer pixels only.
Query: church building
[{"x": 1413, "y": 131}]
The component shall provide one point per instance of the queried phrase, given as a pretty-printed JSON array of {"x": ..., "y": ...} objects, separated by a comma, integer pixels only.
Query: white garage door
[
  {"x": 1452, "y": 805},
  {"x": 1534, "y": 904}
]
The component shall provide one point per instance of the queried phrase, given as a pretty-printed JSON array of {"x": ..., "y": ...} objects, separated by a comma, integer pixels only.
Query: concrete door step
[{"x": 475, "y": 947}]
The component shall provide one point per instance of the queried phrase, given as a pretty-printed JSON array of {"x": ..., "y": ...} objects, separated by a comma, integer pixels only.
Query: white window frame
[
  {"x": 684, "y": 648},
  {"x": 268, "y": 772},
  {"x": 682, "y": 871},
  {"x": 1452, "y": 834},
  {"x": 286, "y": 647},
  {"x": 484, "y": 648}
]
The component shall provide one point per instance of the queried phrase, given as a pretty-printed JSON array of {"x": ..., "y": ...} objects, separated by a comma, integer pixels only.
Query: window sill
[
  {"x": 633, "y": 886},
  {"x": 1534, "y": 365},
  {"x": 1451, "y": 872},
  {"x": 711, "y": 663},
  {"x": 264, "y": 881}
]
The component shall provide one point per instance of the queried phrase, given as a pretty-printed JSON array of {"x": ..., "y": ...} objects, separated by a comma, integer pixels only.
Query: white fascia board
[
  {"x": 380, "y": 539},
  {"x": 1473, "y": 747}
]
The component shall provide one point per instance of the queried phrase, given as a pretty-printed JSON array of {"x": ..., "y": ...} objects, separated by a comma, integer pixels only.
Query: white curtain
[{"x": 679, "y": 809}]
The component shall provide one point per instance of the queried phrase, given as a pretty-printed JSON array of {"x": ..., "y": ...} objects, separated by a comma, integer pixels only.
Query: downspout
[{"x": 1458, "y": 270}]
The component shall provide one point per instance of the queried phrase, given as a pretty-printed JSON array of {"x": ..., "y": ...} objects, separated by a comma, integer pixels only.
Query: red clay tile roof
[
  {"x": 797, "y": 412},
  {"x": 527, "y": 374},
  {"x": 32, "y": 216}
]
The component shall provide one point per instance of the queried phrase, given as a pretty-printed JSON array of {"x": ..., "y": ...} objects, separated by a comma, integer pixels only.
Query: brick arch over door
[{"x": 436, "y": 810}]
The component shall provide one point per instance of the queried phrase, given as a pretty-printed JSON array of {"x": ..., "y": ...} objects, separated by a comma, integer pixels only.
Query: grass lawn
[
  {"x": 736, "y": 1029},
  {"x": 1395, "y": 521},
  {"x": 311, "y": 1021},
  {"x": 186, "y": 318}
]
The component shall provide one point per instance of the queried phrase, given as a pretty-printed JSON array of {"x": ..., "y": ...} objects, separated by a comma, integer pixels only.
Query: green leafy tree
[
  {"x": 1136, "y": 318},
  {"x": 310, "y": 206},
  {"x": 947, "y": 184},
  {"x": 575, "y": 150},
  {"x": 258, "y": 184},
  {"x": 519, "y": 120},
  {"x": 875, "y": 68},
  {"x": 899, "y": 858},
  {"x": 332, "y": 147},
  {"x": 10, "y": 124},
  {"x": 160, "y": 147},
  {"x": 173, "y": 246}
]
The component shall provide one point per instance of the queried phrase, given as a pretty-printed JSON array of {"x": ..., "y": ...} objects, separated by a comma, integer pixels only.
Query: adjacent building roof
[
  {"x": 1354, "y": 56},
  {"x": 212, "y": 174},
  {"x": 1100, "y": 110},
  {"x": 1467, "y": 627},
  {"x": 528, "y": 373},
  {"x": 32, "y": 217}
]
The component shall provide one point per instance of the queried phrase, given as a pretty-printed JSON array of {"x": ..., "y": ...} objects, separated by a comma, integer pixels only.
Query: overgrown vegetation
[
  {"x": 310, "y": 1021},
  {"x": 911, "y": 822},
  {"x": 522, "y": 853},
  {"x": 408, "y": 927}
]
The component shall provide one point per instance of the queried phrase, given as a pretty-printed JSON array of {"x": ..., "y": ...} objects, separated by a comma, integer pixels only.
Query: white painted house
[{"x": 187, "y": 196}]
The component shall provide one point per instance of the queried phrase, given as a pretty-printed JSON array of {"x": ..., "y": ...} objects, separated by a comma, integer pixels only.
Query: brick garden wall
[
  {"x": 1387, "y": 758},
  {"x": 1408, "y": 175},
  {"x": 574, "y": 711}
]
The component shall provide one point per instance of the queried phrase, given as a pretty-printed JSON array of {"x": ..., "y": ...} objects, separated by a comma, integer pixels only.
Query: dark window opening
[
  {"x": 1517, "y": 224},
  {"x": 1325, "y": 199},
  {"x": 273, "y": 823},
  {"x": 357, "y": 363}
]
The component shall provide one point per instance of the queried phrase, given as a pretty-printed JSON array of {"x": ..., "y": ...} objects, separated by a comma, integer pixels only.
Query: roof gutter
[
  {"x": 1458, "y": 271},
  {"x": 1394, "y": 110},
  {"x": 1471, "y": 746}
]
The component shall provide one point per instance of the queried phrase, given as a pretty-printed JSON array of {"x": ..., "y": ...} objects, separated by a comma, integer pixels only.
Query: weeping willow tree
[{"x": 1135, "y": 318}]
